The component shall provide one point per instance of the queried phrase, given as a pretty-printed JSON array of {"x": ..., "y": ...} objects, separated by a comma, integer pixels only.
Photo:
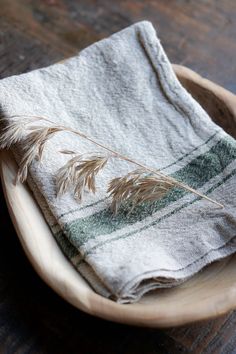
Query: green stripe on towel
[
  {"x": 155, "y": 222},
  {"x": 198, "y": 172}
]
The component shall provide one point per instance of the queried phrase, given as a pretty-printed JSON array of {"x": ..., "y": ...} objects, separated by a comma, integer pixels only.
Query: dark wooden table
[{"x": 199, "y": 34}]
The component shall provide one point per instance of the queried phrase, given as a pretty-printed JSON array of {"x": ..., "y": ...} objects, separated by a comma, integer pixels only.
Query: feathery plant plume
[
  {"x": 79, "y": 173},
  {"x": 12, "y": 134},
  {"x": 35, "y": 143},
  {"x": 14, "y": 130},
  {"x": 34, "y": 137},
  {"x": 139, "y": 186}
]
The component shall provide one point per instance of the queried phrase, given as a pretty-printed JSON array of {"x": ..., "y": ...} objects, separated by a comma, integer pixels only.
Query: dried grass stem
[{"x": 81, "y": 172}]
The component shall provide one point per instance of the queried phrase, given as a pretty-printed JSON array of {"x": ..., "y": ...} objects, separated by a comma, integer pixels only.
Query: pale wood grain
[{"x": 209, "y": 294}]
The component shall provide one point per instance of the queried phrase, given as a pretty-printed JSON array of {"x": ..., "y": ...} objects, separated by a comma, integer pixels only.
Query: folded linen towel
[{"x": 122, "y": 91}]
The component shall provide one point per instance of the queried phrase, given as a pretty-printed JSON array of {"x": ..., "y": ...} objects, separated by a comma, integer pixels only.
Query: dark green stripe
[
  {"x": 196, "y": 174},
  {"x": 67, "y": 248},
  {"x": 162, "y": 169},
  {"x": 157, "y": 221}
]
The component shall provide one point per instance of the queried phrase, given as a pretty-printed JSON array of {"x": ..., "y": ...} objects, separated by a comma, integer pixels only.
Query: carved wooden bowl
[{"x": 209, "y": 294}]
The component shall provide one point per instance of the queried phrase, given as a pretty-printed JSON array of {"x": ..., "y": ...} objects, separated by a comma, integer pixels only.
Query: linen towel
[{"x": 123, "y": 92}]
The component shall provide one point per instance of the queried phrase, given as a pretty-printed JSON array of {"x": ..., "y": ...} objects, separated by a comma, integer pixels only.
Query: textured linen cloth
[{"x": 123, "y": 92}]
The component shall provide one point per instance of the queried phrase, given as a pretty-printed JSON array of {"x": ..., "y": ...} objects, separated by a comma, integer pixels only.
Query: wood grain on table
[{"x": 199, "y": 34}]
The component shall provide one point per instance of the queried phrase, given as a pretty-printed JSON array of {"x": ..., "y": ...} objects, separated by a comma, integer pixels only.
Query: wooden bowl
[{"x": 209, "y": 294}]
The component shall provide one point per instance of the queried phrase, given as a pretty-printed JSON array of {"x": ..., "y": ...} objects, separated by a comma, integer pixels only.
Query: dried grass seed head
[
  {"x": 79, "y": 173},
  {"x": 11, "y": 134},
  {"x": 137, "y": 187},
  {"x": 14, "y": 130},
  {"x": 33, "y": 149}
]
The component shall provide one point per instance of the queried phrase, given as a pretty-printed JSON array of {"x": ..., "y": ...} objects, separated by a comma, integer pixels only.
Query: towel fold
[{"x": 123, "y": 92}]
